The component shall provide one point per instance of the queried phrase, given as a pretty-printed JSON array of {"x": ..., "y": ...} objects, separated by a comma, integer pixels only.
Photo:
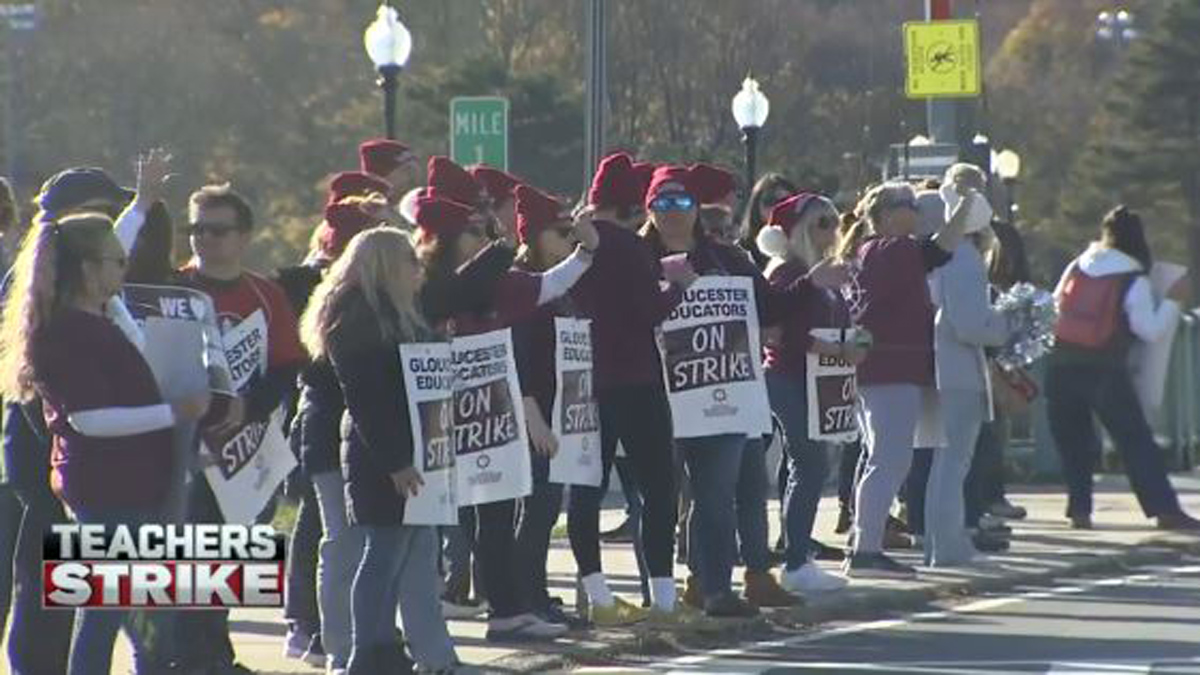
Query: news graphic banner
[
  {"x": 576, "y": 417},
  {"x": 832, "y": 392},
  {"x": 429, "y": 386},
  {"x": 158, "y": 566},
  {"x": 254, "y": 459},
  {"x": 712, "y": 358},
  {"x": 491, "y": 447}
]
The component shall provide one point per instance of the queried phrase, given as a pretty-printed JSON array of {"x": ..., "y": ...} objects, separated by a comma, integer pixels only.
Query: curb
[{"x": 872, "y": 603}]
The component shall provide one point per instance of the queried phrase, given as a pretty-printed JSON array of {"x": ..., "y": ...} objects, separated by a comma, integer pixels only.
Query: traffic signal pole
[{"x": 941, "y": 115}]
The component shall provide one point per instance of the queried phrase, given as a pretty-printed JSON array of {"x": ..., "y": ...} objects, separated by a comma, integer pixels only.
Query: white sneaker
[{"x": 811, "y": 579}]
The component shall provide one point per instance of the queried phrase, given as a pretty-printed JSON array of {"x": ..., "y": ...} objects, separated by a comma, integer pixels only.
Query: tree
[{"x": 1144, "y": 147}]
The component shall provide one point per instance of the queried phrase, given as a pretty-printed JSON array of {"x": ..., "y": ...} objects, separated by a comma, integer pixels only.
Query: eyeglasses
[
  {"x": 672, "y": 203},
  {"x": 211, "y": 229}
]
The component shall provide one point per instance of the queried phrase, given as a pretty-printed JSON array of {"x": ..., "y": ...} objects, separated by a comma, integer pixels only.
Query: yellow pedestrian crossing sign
[{"x": 942, "y": 59}]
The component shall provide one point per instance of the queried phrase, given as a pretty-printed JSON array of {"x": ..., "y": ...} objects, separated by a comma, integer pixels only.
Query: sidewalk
[{"x": 1043, "y": 548}]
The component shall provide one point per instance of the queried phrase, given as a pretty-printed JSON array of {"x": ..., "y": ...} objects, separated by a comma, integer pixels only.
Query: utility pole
[
  {"x": 597, "y": 90},
  {"x": 941, "y": 114}
]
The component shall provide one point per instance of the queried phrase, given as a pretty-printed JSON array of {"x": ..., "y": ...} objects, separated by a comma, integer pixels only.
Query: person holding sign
[
  {"x": 359, "y": 315},
  {"x": 111, "y": 455},
  {"x": 964, "y": 325},
  {"x": 801, "y": 230},
  {"x": 1105, "y": 303},
  {"x": 714, "y": 356},
  {"x": 890, "y": 298},
  {"x": 262, "y": 347},
  {"x": 547, "y": 238},
  {"x": 626, "y": 299},
  {"x": 472, "y": 289}
]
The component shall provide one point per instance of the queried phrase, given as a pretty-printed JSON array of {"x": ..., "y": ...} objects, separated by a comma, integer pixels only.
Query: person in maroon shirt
[
  {"x": 800, "y": 231},
  {"x": 471, "y": 288},
  {"x": 112, "y": 442},
  {"x": 626, "y": 300},
  {"x": 890, "y": 298}
]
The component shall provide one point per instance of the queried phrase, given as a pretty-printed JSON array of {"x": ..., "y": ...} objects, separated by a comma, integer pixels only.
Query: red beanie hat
[
  {"x": 355, "y": 184},
  {"x": 787, "y": 213},
  {"x": 536, "y": 211},
  {"x": 453, "y": 182},
  {"x": 613, "y": 186},
  {"x": 643, "y": 172},
  {"x": 668, "y": 179},
  {"x": 342, "y": 222},
  {"x": 712, "y": 184},
  {"x": 499, "y": 184},
  {"x": 381, "y": 156},
  {"x": 441, "y": 217}
]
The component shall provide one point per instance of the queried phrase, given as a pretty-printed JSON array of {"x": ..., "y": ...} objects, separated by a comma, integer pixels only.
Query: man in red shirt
[{"x": 264, "y": 361}]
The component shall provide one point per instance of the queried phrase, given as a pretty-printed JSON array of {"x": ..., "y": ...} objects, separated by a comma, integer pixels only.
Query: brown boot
[
  {"x": 763, "y": 590},
  {"x": 692, "y": 597}
]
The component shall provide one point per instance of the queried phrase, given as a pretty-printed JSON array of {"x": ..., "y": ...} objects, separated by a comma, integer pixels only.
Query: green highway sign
[{"x": 479, "y": 131}]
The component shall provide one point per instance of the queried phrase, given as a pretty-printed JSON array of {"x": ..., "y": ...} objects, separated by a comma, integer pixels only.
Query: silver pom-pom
[{"x": 1032, "y": 313}]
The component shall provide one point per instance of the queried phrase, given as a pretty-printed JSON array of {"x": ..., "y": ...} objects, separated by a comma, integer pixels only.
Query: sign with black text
[
  {"x": 576, "y": 417},
  {"x": 712, "y": 361},
  {"x": 490, "y": 442},
  {"x": 429, "y": 385},
  {"x": 253, "y": 460},
  {"x": 832, "y": 393}
]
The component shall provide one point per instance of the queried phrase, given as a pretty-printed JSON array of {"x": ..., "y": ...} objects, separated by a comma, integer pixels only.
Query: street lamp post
[
  {"x": 388, "y": 44},
  {"x": 1008, "y": 168},
  {"x": 750, "y": 109},
  {"x": 1115, "y": 27}
]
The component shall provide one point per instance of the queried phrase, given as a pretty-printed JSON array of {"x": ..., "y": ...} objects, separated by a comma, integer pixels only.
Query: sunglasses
[
  {"x": 672, "y": 203},
  {"x": 211, "y": 229}
]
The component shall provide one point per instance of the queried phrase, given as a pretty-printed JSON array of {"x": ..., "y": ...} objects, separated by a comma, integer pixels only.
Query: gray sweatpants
[
  {"x": 888, "y": 418},
  {"x": 947, "y": 542}
]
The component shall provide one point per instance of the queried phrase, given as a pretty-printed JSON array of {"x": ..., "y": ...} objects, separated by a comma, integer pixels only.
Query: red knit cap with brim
[
  {"x": 439, "y": 217},
  {"x": 356, "y": 184},
  {"x": 669, "y": 180},
  {"x": 342, "y": 222},
  {"x": 713, "y": 184},
  {"x": 453, "y": 182},
  {"x": 499, "y": 184},
  {"x": 536, "y": 211},
  {"x": 381, "y": 156},
  {"x": 613, "y": 186}
]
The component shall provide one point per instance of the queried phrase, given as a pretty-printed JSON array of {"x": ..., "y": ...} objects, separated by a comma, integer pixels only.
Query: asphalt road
[{"x": 1144, "y": 621}]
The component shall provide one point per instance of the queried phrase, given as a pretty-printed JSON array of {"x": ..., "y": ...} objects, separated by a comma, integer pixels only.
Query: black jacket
[{"x": 376, "y": 428}]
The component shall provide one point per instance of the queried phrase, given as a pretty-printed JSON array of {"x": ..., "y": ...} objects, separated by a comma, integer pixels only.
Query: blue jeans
[
  {"x": 808, "y": 467},
  {"x": 398, "y": 567},
  {"x": 300, "y": 602},
  {"x": 752, "y": 528},
  {"x": 713, "y": 464},
  {"x": 340, "y": 551},
  {"x": 96, "y": 629}
]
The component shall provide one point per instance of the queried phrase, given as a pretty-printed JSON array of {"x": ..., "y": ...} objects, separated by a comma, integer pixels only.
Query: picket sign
[
  {"x": 575, "y": 415},
  {"x": 712, "y": 361},
  {"x": 428, "y": 383},
  {"x": 254, "y": 461},
  {"x": 491, "y": 446},
  {"x": 832, "y": 393}
]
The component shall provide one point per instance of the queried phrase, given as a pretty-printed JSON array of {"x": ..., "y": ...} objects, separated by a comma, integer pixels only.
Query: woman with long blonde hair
[{"x": 363, "y": 309}]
